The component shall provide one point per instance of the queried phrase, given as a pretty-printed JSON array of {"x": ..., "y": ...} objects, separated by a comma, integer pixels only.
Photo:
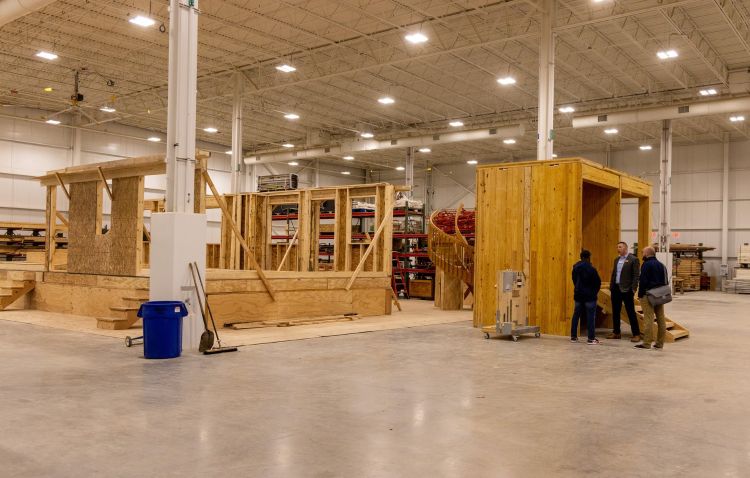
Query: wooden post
[
  {"x": 50, "y": 219},
  {"x": 104, "y": 180},
  {"x": 233, "y": 225},
  {"x": 62, "y": 218}
]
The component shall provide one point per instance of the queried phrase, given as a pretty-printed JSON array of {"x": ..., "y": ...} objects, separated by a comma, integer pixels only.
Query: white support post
[
  {"x": 546, "y": 131},
  {"x": 76, "y": 160},
  {"x": 725, "y": 211},
  {"x": 179, "y": 235},
  {"x": 665, "y": 186},
  {"x": 428, "y": 190},
  {"x": 316, "y": 173},
  {"x": 409, "y": 170},
  {"x": 238, "y": 164}
]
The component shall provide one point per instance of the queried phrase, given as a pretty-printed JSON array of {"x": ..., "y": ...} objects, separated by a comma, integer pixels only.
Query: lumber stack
[{"x": 688, "y": 264}]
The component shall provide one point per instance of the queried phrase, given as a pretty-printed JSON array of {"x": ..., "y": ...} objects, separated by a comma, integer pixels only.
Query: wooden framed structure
[
  {"x": 536, "y": 217},
  {"x": 106, "y": 272}
]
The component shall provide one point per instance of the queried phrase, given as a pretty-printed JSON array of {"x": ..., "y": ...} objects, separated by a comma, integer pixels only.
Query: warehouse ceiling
[{"x": 348, "y": 54}]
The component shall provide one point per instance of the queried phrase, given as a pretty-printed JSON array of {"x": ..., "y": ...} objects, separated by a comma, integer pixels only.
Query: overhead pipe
[
  {"x": 661, "y": 113},
  {"x": 14, "y": 9},
  {"x": 356, "y": 146}
]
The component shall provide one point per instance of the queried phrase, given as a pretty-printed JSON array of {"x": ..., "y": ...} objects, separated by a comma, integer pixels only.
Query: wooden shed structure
[{"x": 536, "y": 217}]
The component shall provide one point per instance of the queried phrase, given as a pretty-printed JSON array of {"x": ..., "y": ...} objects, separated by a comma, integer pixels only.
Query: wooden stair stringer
[{"x": 12, "y": 290}]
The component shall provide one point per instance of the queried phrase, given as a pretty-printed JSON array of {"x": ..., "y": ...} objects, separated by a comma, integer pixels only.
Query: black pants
[{"x": 619, "y": 298}]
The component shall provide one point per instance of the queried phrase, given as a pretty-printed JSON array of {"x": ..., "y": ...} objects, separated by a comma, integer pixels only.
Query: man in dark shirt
[
  {"x": 622, "y": 285},
  {"x": 586, "y": 283},
  {"x": 653, "y": 274}
]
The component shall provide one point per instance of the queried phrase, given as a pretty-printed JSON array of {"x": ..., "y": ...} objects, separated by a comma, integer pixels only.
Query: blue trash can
[{"x": 162, "y": 328}]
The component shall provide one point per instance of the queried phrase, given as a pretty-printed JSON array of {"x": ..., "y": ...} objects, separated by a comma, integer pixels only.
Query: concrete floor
[{"x": 429, "y": 401}]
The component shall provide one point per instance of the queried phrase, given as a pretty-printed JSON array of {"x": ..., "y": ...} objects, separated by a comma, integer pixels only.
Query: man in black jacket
[
  {"x": 586, "y": 282},
  {"x": 622, "y": 285},
  {"x": 653, "y": 274}
]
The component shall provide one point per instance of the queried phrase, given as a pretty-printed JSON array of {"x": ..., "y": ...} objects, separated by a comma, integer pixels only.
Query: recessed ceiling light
[
  {"x": 567, "y": 109},
  {"x": 424, "y": 150},
  {"x": 52, "y": 121},
  {"x": 154, "y": 139},
  {"x": 611, "y": 131},
  {"x": 291, "y": 116},
  {"x": 386, "y": 100},
  {"x": 46, "y": 55},
  {"x": 554, "y": 155},
  {"x": 286, "y": 68},
  {"x": 107, "y": 109},
  {"x": 646, "y": 147},
  {"x": 456, "y": 124},
  {"x": 735, "y": 119},
  {"x": 400, "y": 168},
  {"x": 416, "y": 37},
  {"x": 507, "y": 80},
  {"x": 667, "y": 54},
  {"x": 367, "y": 135},
  {"x": 472, "y": 161},
  {"x": 509, "y": 141},
  {"x": 293, "y": 163},
  {"x": 142, "y": 21},
  {"x": 229, "y": 151},
  {"x": 708, "y": 92},
  {"x": 47, "y": 89},
  {"x": 349, "y": 158},
  {"x": 210, "y": 129},
  {"x": 346, "y": 172},
  {"x": 288, "y": 145}
]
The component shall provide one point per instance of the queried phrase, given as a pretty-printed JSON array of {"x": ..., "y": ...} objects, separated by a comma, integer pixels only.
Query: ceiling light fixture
[
  {"x": 509, "y": 141},
  {"x": 400, "y": 168},
  {"x": 107, "y": 109},
  {"x": 708, "y": 92},
  {"x": 667, "y": 54},
  {"x": 142, "y": 21},
  {"x": 154, "y": 139},
  {"x": 288, "y": 145},
  {"x": 567, "y": 109},
  {"x": 424, "y": 150},
  {"x": 46, "y": 55},
  {"x": 611, "y": 131},
  {"x": 291, "y": 116},
  {"x": 554, "y": 155},
  {"x": 736, "y": 119},
  {"x": 507, "y": 80},
  {"x": 293, "y": 163},
  {"x": 367, "y": 135},
  {"x": 386, "y": 100},
  {"x": 52, "y": 121},
  {"x": 346, "y": 172},
  {"x": 416, "y": 38},
  {"x": 472, "y": 162},
  {"x": 229, "y": 151},
  {"x": 348, "y": 158},
  {"x": 456, "y": 124},
  {"x": 286, "y": 68},
  {"x": 211, "y": 130},
  {"x": 646, "y": 147},
  {"x": 48, "y": 89}
]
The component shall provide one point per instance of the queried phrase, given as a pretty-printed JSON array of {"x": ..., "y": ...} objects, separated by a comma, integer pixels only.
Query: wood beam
[{"x": 104, "y": 180}]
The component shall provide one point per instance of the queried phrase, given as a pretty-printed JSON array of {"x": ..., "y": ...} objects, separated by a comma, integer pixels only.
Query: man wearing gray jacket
[{"x": 622, "y": 286}]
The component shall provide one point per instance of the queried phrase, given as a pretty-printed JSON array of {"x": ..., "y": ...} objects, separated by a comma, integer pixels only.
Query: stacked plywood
[
  {"x": 744, "y": 256},
  {"x": 688, "y": 264}
]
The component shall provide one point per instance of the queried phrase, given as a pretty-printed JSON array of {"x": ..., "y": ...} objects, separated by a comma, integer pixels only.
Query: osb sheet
[{"x": 416, "y": 313}]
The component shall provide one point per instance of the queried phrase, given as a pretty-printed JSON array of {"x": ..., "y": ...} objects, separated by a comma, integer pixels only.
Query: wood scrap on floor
[{"x": 294, "y": 322}]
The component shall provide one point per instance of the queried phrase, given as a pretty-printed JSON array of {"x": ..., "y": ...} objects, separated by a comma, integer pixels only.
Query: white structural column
[
  {"x": 409, "y": 170},
  {"x": 725, "y": 210},
  {"x": 238, "y": 163},
  {"x": 76, "y": 160},
  {"x": 179, "y": 235},
  {"x": 546, "y": 132},
  {"x": 665, "y": 186}
]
